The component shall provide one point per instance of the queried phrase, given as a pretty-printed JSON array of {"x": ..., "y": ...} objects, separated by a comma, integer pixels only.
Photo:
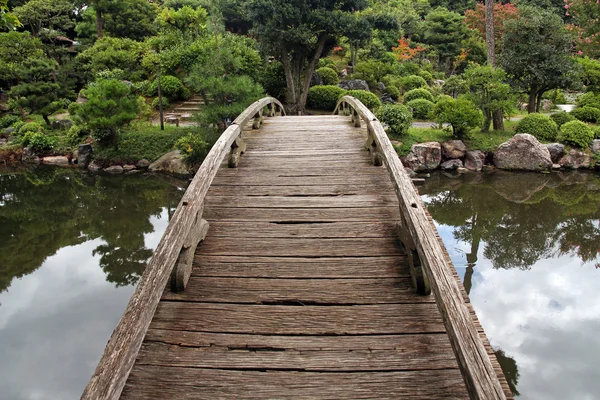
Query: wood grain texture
[
  {"x": 298, "y": 191},
  {"x": 294, "y": 202},
  {"x": 315, "y": 215},
  {"x": 355, "y": 230}
]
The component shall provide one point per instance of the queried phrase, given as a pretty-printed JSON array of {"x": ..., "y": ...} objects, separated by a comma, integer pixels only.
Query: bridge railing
[
  {"x": 172, "y": 258},
  {"x": 427, "y": 259}
]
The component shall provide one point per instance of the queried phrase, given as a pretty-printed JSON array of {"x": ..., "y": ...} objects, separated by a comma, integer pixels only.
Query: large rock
[
  {"x": 95, "y": 167},
  {"x": 523, "y": 152},
  {"x": 557, "y": 151},
  {"x": 29, "y": 156},
  {"x": 576, "y": 159},
  {"x": 142, "y": 164},
  {"x": 454, "y": 149},
  {"x": 114, "y": 169},
  {"x": 386, "y": 98},
  {"x": 451, "y": 165},
  {"x": 84, "y": 155},
  {"x": 475, "y": 160},
  {"x": 171, "y": 163},
  {"x": 596, "y": 146},
  {"x": 62, "y": 124},
  {"x": 425, "y": 157},
  {"x": 61, "y": 161},
  {"x": 354, "y": 84}
]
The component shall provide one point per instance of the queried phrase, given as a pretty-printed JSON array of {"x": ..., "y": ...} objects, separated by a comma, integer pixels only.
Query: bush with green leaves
[
  {"x": 76, "y": 135},
  {"x": 562, "y": 118},
  {"x": 142, "y": 87},
  {"x": 372, "y": 71},
  {"x": 426, "y": 75},
  {"x": 393, "y": 91},
  {"x": 463, "y": 115},
  {"x": 576, "y": 133},
  {"x": 455, "y": 86},
  {"x": 170, "y": 86},
  {"x": 596, "y": 130},
  {"x": 370, "y": 100},
  {"x": 419, "y": 93},
  {"x": 421, "y": 108},
  {"x": 587, "y": 114},
  {"x": 589, "y": 99},
  {"x": 324, "y": 97},
  {"x": 30, "y": 127},
  {"x": 272, "y": 79},
  {"x": 193, "y": 147},
  {"x": 327, "y": 63},
  {"x": 8, "y": 121},
  {"x": 38, "y": 141},
  {"x": 539, "y": 125},
  {"x": 397, "y": 116},
  {"x": 17, "y": 127},
  {"x": 328, "y": 76},
  {"x": 165, "y": 103},
  {"x": 413, "y": 82}
]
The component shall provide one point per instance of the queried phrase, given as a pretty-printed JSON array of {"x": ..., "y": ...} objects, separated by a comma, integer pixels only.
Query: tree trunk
[
  {"x": 532, "y": 98},
  {"x": 309, "y": 73},
  {"x": 46, "y": 119},
  {"x": 290, "y": 97},
  {"x": 487, "y": 121},
  {"x": 99, "y": 23},
  {"x": 498, "y": 118},
  {"x": 538, "y": 101},
  {"x": 489, "y": 32}
]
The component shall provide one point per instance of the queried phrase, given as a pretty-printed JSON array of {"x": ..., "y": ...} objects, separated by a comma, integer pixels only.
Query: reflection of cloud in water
[
  {"x": 55, "y": 323},
  {"x": 546, "y": 318}
]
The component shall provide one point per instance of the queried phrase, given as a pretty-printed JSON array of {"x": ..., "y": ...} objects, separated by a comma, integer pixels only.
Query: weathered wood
[
  {"x": 478, "y": 372},
  {"x": 255, "y": 230},
  {"x": 298, "y": 191},
  {"x": 183, "y": 267},
  {"x": 420, "y": 280},
  {"x": 119, "y": 356},
  {"x": 291, "y": 216},
  {"x": 341, "y": 201},
  {"x": 238, "y": 148}
]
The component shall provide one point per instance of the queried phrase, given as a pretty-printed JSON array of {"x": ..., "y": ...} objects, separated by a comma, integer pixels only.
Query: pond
[
  {"x": 528, "y": 249},
  {"x": 72, "y": 247}
]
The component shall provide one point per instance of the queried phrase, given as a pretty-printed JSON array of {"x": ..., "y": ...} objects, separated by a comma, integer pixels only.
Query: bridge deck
[{"x": 301, "y": 288}]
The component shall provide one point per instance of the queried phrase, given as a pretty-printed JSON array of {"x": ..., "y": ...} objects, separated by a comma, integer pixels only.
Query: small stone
[
  {"x": 452, "y": 165},
  {"x": 94, "y": 166},
  {"x": 381, "y": 86},
  {"x": 576, "y": 159},
  {"x": 354, "y": 84},
  {"x": 115, "y": 169},
  {"x": 453, "y": 149},
  {"x": 475, "y": 160},
  {"x": 557, "y": 151},
  {"x": 556, "y": 166},
  {"x": 596, "y": 146},
  {"x": 84, "y": 155},
  {"x": 128, "y": 168},
  {"x": 9, "y": 130},
  {"x": 142, "y": 164},
  {"x": 133, "y": 172},
  {"x": 172, "y": 163},
  {"x": 74, "y": 157},
  {"x": 29, "y": 156},
  {"x": 462, "y": 170},
  {"x": 410, "y": 172},
  {"x": 62, "y": 161}
]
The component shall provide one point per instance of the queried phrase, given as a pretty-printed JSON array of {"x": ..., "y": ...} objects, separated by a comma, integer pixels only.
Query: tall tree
[
  {"x": 8, "y": 21},
  {"x": 296, "y": 32},
  {"x": 490, "y": 39},
  {"x": 444, "y": 32},
  {"x": 587, "y": 25}
]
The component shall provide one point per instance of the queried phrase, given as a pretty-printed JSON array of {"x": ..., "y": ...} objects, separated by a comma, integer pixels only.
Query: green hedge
[
  {"x": 538, "y": 125},
  {"x": 328, "y": 75},
  {"x": 418, "y": 94},
  {"x": 562, "y": 118},
  {"x": 422, "y": 108},
  {"x": 413, "y": 82},
  {"x": 170, "y": 86},
  {"x": 324, "y": 97},
  {"x": 587, "y": 114},
  {"x": 370, "y": 100},
  {"x": 397, "y": 116},
  {"x": 576, "y": 133}
]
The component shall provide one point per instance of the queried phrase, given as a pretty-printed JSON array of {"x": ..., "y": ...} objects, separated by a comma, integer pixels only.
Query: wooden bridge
[{"x": 312, "y": 279}]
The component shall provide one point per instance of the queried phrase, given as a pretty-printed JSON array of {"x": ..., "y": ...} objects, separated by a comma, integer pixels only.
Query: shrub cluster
[
  {"x": 165, "y": 103},
  {"x": 462, "y": 114},
  {"x": 576, "y": 133},
  {"x": 327, "y": 63},
  {"x": 538, "y": 125},
  {"x": 596, "y": 130},
  {"x": 8, "y": 121},
  {"x": 589, "y": 100},
  {"x": 413, "y": 82},
  {"x": 587, "y": 114},
  {"x": 38, "y": 141},
  {"x": 393, "y": 91},
  {"x": 562, "y": 118},
  {"x": 193, "y": 147},
  {"x": 421, "y": 108},
  {"x": 30, "y": 127},
  {"x": 170, "y": 86},
  {"x": 328, "y": 75},
  {"x": 370, "y": 100},
  {"x": 324, "y": 97},
  {"x": 418, "y": 94},
  {"x": 397, "y": 117}
]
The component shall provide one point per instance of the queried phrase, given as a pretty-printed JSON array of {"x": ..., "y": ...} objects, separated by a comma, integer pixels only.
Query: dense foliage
[
  {"x": 324, "y": 97},
  {"x": 576, "y": 133},
  {"x": 397, "y": 117},
  {"x": 539, "y": 125}
]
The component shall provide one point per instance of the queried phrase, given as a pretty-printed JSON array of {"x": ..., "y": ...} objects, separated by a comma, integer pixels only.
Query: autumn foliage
[
  {"x": 404, "y": 52},
  {"x": 586, "y": 15},
  {"x": 475, "y": 19}
]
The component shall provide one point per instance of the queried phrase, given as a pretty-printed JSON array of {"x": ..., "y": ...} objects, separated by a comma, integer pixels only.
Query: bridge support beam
[
  {"x": 183, "y": 267},
  {"x": 371, "y": 146},
  {"x": 258, "y": 120},
  {"x": 419, "y": 279},
  {"x": 237, "y": 149}
]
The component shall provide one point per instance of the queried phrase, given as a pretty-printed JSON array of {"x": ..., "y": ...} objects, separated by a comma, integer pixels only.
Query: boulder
[
  {"x": 114, "y": 169},
  {"x": 29, "y": 156},
  {"x": 316, "y": 80},
  {"x": 84, "y": 155},
  {"x": 596, "y": 146},
  {"x": 523, "y": 152},
  {"x": 95, "y": 167},
  {"x": 128, "y": 168},
  {"x": 453, "y": 149},
  {"x": 381, "y": 86},
  {"x": 576, "y": 159},
  {"x": 62, "y": 161},
  {"x": 3, "y": 142},
  {"x": 171, "y": 163},
  {"x": 9, "y": 131},
  {"x": 386, "y": 98},
  {"x": 142, "y": 164},
  {"x": 62, "y": 124},
  {"x": 425, "y": 157},
  {"x": 354, "y": 84},
  {"x": 451, "y": 165},
  {"x": 475, "y": 160},
  {"x": 557, "y": 151}
]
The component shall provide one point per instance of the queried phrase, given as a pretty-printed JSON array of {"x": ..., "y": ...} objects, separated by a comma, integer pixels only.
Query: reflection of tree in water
[
  {"x": 510, "y": 370},
  {"x": 48, "y": 209}
]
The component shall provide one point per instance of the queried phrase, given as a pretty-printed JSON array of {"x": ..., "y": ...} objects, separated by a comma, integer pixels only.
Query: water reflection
[
  {"x": 528, "y": 248},
  {"x": 71, "y": 246}
]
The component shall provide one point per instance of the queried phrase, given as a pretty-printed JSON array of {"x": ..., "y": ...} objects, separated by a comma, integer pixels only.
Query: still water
[
  {"x": 72, "y": 247},
  {"x": 528, "y": 249}
]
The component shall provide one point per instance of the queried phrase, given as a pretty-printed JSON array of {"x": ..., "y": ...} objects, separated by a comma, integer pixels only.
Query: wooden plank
[
  {"x": 303, "y": 153},
  {"x": 313, "y": 231},
  {"x": 315, "y": 215},
  {"x": 278, "y": 162},
  {"x": 272, "y": 180},
  {"x": 296, "y": 191},
  {"x": 296, "y": 267},
  {"x": 476, "y": 366},
  {"x": 300, "y": 291},
  {"x": 389, "y": 319},
  {"x": 357, "y": 201},
  {"x": 308, "y": 170},
  {"x": 157, "y": 382},
  {"x": 299, "y": 247}
]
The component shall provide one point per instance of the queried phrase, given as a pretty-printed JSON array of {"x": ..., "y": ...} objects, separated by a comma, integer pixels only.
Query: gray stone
[
  {"x": 556, "y": 166},
  {"x": 595, "y": 146},
  {"x": 84, "y": 155},
  {"x": 115, "y": 169},
  {"x": 171, "y": 163},
  {"x": 462, "y": 170},
  {"x": 62, "y": 124},
  {"x": 61, "y": 160},
  {"x": 133, "y": 172},
  {"x": 29, "y": 156},
  {"x": 3, "y": 142},
  {"x": 381, "y": 86},
  {"x": 439, "y": 82},
  {"x": 386, "y": 98},
  {"x": 410, "y": 172},
  {"x": 557, "y": 151},
  {"x": 454, "y": 149},
  {"x": 9, "y": 130},
  {"x": 452, "y": 165},
  {"x": 354, "y": 84},
  {"x": 425, "y": 157},
  {"x": 128, "y": 168},
  {"x": 475, "y": 160},
  {"x": 576, "y": 159},
  {"x": 142, "y": 164},
  {"x": 95, "y": 167},
  {"x": 523, "y": 152}
]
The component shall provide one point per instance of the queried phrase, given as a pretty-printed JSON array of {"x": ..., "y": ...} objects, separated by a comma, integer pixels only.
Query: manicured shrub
[
  {"x": 142, "y": 87},
  {"x": 590, "y": 100},
  {"x": 30, "y": 127},
  {"x": 171, "y": 87},
  {"x": 462, "y": 114},
  {"x": 421, "y": 108},
  {"x": 538, "y": 125},
  {"x": 38, "y": 142},
  {"x": 397, "y": 116},
  {"x": 327, "y": 63},
  {"x": 426, "y": 75},
  {"x": 8, "y": 121},
  {"x": 329, "y": 76},
  {"x": 587, "y": 114},
  {"x": 75, "y": 135},
  {"x": 324, "y": 97},
  {"x": 370, "y": 100},
  {"x": 454, "y": 86},
  {"x": 418, "y": 94},
  {"x": 596, "y": 130},
  {"x": 393, "y": 91},
  {"x": 165, "y": 103},
  {"x": 17, "y": 127},
  {"x": 576, "y": 133},
  {"x": 562, "y": 118},
  {"x": 193, "y": 147},
  {"x": 413, "y": 82}
]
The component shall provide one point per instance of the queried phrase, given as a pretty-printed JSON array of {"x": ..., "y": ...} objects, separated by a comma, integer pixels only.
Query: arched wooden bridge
[{"x": 311, "y": 280}]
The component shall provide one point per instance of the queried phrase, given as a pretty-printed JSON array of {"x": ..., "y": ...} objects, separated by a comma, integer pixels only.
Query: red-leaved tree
[
  {"x": 475, "y": 19},
  {"x": 586, "y": 18}
]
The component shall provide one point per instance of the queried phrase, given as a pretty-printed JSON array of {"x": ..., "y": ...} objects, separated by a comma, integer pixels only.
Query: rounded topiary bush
[
  {"x": 329, "y": 76},
  {"x": 165, "y": 103},
  {"x": 30, "y": 127},
  {"x": 421, "y": 108},
  {"x": 562, "y": 118},
  {"x": 397, "y": 116},
  {"x": 538, "y": 125},
  {"x": 327, "y": 63},
  {"x": 418, "y": 94},
  {"x": 393, "y": 91},
  {"x": 576, "y": 133},
  {"x": 462, "y": 114},
  {"x": 596, "y": 130},
  {"x": 170, "y": 86},
  {"x": 589, "y": 99},
  {"x": 367, "y": 98},
  {"x": 413, "y": 82},
  {"x": 587, "y": 114},
  {"x": 426, "y": 75},
  {"x": 324, "y": 97}
]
